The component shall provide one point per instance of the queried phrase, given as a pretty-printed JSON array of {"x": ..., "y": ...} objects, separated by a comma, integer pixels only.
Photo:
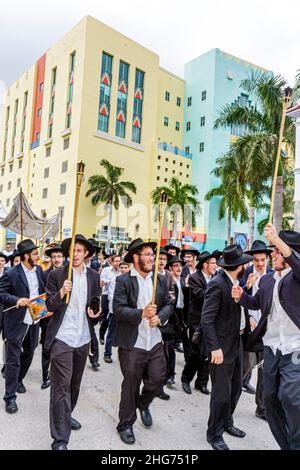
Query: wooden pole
[
  {"x": 60, "y": 224},
  {"x": 80, "y": 171},
  {"x": 285, "y": 104},
  {"x": 21, "y": 212},
  {"x": 44, "y": 215},
  {"x": 162, "y": 207}
]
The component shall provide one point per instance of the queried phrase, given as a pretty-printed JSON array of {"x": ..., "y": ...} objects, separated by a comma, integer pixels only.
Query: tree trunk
[
  {"x": 228, "y": 226},
  {"x": 109, "y": 228},
  {"x": 278, "y": 204},
  {"x": 251, "y": 224}
]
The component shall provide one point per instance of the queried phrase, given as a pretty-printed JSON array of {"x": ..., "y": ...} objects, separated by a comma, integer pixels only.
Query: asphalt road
[{"x": 178, "y": 424}]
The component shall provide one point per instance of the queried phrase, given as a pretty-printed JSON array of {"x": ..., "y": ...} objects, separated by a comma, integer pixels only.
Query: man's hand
[
  {"x": 271, "y": 234},
  {"x": 149, "y": 311},
  {"x": 236, "y": 292},
  {"x": 91, "y": 314},
  {"x": 253, "y": 323},
  {"x": 23, "y": 302},
  {"x": 217, "y": 356},
  {"x": 154, "y": 321},
  {"x": 187, "y": 280},
  {"x": 251, "y": 280},
  {"x": 67, "y": 287},
  {"x": 102, "y": 284}
]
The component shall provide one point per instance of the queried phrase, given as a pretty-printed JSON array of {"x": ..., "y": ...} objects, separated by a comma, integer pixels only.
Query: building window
[
  {"x": 167, "y": 96},
  {"x": 18, "y": 182},
  {"x": 177, "y": 126},
  {"x": 181, "y": 164},
  {"x": 105, "y": 90},
  {"x": 173, "y": 172},
  {"x": 46, "y": 173},
  {"x": 166, "y": 180},
  {"x": 201, "y": 147},
  {"x": 166, "y": 169},
  {"x": 39, "y": 113},
  {"x": 138, "y": 105},
  {"x": 158, "y": 178},
  {"x": 37, "y": 137},
  {"x": 61, "y": 210},
  {"x": 189, "y": 101},
  {"x": 187, "y": 176},
  {"x": 174, "y": 162},
  {"x": 203, "y": 95},
  {"x": 188, "y": 166},
  {"x": 178, "y": 101},
  {"x": 202, "y": 121},
  {"x": 48, "y": 151},
  {"x": 64, "y": 166},
  {"x": 24, "y": 121},
  {"x": 70, "y": 90},
  {"x": 6, "y": 132},
  {"x": 11, "y": 166},
  {"x": 159, "y": 157},
  {"x": 2, "y": 171},
  {"x": 7, "y": 202},
  {"x": 166, "y": 121},
  {"x": 41, "y": 87},
  {"x": 122, "y": 99},
  {"x": 180, "y": 174},
  {"x": 66, "y": 143},
  {"x": 187, "y": 149},
  {"x": 1, "y": 188},
  {"x": 167, "y": 159},
  {"x": 188, "y": 126},
  {"x": 9, "y": 185},
  {"x": 20, "y": 164},
  {"x": 158, "y": 167},
  {"x": 45, "y": 193},
  {"x": 52, "y": 100},
  {"x": 63, "y": 189},
  {"x": 14, "y": 129}
]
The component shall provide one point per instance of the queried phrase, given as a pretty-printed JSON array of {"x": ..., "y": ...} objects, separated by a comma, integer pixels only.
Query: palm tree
[
  {"x": 180, "y": 197},
  {"x": 261, "y": 122},
  {"x": 109, "y": 190}
]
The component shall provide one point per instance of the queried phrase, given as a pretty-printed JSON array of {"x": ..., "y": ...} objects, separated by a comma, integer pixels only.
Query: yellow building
[{"x": 96, "y": 94}]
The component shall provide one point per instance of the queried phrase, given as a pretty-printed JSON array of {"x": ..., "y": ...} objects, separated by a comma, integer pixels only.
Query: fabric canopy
[{"x": 32, "y": 225}]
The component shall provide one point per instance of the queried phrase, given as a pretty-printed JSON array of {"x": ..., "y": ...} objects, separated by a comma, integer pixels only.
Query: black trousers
[
  {"x": 282, "y": 397},
  {"x": 104, "y": 316},
  {"x": 197, "y": 363},
  {"x": 137, "y": 365},
  {"x": 45, "y": 354},
  {"x": 226, "y": 380},
  {"x": 67, "y": 366},
  {"x": 94, "y": 348},
  {"x": 250, "y": 360},
  {"x": 19, "y": 355}
]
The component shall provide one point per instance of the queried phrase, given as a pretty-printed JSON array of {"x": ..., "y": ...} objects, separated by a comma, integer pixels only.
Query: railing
[{"x": 169, "y": 148}]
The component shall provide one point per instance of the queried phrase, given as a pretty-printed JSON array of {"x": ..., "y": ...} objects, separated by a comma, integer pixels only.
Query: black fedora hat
[
  {"x": 53, "y": 249},
  {"x": 189, "y": 250},
  {"x": 2, "y": 255},
  {"x": 172, "y": 247},
  {"x": 217, "y": 254},
  {"x": 135, "y": 246},
  {"x": 80, "y": 238},
  {"x": 162, "y": 251},
  {"x": 233, "y": 255},
  {"x": 174, "y": 259},
  {"x": 95, "y": 244},
  {"x": 205, "y": 256},
  {"x": 258, "y": 246},
  {"x": 25, "y": 246},
  {"x": 291, "y": 238},
  {"x": 13, "y": 255}
]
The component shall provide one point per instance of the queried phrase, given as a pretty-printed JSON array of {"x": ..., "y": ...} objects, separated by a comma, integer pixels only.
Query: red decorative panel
[{"x": 38, "y": 100}]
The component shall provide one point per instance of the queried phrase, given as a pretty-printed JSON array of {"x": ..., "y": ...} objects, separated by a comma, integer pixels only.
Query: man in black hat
[
  {"x": 172, "y": 250},
  {"x": 17, "y": 287},
  {"x": 222, "y": 323},
  {"x": 57, "y": 257},
  {"x": 3, "y": 261},
  {"x": 197, "y": 361},
  {"x": 68, "y": 336},
  {"x": 250, "y": 282},
  {"x": 138, "y": 337},
  {"x": 278, "y": 298},
  {"x": 14, "y": 258},
  {"x": 94, "y": 262}
]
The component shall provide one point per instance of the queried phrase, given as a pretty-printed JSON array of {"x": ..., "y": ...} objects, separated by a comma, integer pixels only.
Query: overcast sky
[{"x": 265, "y": 32}]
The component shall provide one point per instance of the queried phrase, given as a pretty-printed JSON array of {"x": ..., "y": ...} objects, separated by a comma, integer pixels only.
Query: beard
[
  {"x": 31, "y": 262},
  {"x": 143, "y": 266}
]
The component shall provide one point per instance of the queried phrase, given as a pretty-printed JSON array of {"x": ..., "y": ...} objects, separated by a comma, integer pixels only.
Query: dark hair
[
  {"x": 22, "y": 256},
  {"x": 123, "y": 263},
  {"x": 231, "y": 268},
  {"x": 114, "y": 257}
]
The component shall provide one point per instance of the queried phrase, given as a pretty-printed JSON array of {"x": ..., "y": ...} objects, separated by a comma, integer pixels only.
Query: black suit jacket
[
  {"x": 58, "y": 306},
  {"x": 128, "y": 316},
  {"x": 221, "y": 318},
  {"x": 13, "y": 286},
  {"x": 289, "y": 297},
  {"x": 197, "y": 288}
]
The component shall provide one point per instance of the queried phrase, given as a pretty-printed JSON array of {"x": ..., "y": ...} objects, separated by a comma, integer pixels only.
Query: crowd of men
[{"x": 227, "y": 311}]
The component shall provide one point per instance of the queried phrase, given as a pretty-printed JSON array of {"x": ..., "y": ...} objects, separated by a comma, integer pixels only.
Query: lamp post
[
  {"x": 44, "y": 216},
  {"x": 79, "y": 178},
  {"x": 286, "y": 99}
]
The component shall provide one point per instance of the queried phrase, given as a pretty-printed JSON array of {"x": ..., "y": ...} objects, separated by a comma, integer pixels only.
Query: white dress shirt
[
  {"x": 107, "y": 274},
  {"x": 256, "y": 314},
  {"x": 111, "y": 291},
  {"x": 74, "y": 330},
  {"x": 147, "y": 337},
  {"x": 33, "y": 284},
  {"x": 281, "y": 333},
  {"x": 207, "y": 278},
  {"x": 180, "y": 299},
  {"x": 235, "y": 282}
]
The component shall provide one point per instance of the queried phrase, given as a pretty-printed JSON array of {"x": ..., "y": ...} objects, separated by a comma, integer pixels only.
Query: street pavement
[{"x": 178, "y": 424}]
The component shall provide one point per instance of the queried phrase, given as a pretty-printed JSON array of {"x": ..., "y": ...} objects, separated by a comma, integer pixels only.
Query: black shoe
[
  {"x": 146, "y": 418},
  {"x": 45, "y": 384},
  {"x": 60, "y": 447},
  {"x": 163, "y": 396},
  {"x": 101, "y": 341},
  {"x": 127, "y": 436},
  {"x": 236, "y": 432},
  {"x": 249, "y": 389},
  {"x": 11, "y": 406},
  {"x": 260, "y": 415},
  {"x": 178, "y": 348},
  {"x": 170, "y": 382},
  {"x": 3, "y": 372},
  {"x": 203, "y": 389},
  {"x": 186, "y": 387},
  {"x": 107, "y": 359},
  {"x": 21, "y": 388},
  {"x": 218, "y": 443},
  {"x": 75, "y": 425},
  {"x": 95, "y": 365}
]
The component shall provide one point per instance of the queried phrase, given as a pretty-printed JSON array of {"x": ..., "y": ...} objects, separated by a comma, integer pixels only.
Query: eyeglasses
[
  {"x": 148, "y": 255},
  {"x": 57, "y": 257}
]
